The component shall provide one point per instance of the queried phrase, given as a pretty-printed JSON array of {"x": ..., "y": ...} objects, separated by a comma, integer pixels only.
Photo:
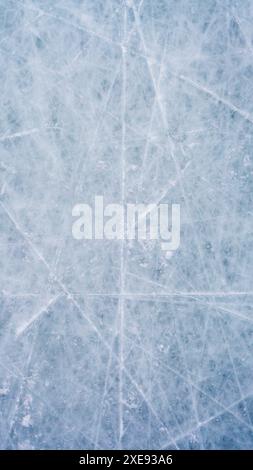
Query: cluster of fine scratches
[{"x": 113, "y": 344}]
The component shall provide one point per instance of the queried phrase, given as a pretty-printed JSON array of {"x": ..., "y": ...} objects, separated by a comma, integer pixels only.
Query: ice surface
[{"x": 110, "y": 344}]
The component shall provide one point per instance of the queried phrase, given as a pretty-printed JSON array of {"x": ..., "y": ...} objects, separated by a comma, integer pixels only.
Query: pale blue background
[{"x": 110, "y": 345}]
